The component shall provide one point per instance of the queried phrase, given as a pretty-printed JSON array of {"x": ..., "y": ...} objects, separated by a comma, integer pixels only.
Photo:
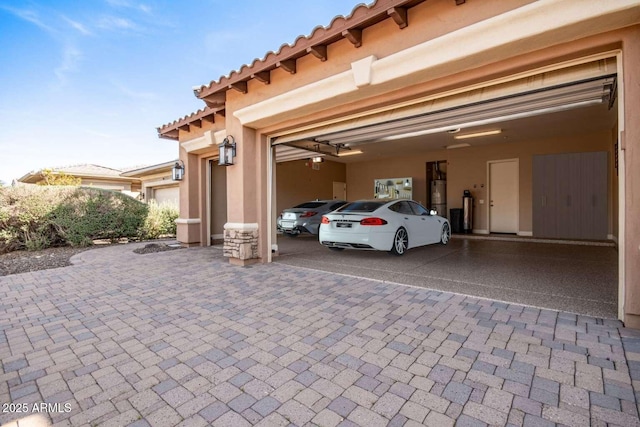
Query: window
[
  {"x": 336, "y": 206},
  {"x": 418, "y": 208},
  {"x": 366, "y": 206},
  {"x": 402, "y": 207},
  {"x": 309, "y": 205}
]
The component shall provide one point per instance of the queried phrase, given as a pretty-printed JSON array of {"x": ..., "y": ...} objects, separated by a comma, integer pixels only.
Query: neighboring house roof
[
  {"x": 139, "y": 172},
  {"x": 82, "y": 171},
  {"x": 341, "y": 27}
]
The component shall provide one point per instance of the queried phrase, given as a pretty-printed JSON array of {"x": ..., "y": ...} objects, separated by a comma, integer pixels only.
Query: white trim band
[
  {"x": 251, "y": 226},
  {"x": 188, "y": 221}
]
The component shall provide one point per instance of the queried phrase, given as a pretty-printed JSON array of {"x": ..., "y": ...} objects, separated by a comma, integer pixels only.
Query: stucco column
[
  {"x": 631, "y": 145},
  {"x": 188, "y": 223},
  {"x": 241, "y": 230}
]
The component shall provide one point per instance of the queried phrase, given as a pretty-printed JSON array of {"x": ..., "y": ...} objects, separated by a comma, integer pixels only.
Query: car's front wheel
[
  {"x": 446, "y": 234},
  {"x": 400, "y": 242}
]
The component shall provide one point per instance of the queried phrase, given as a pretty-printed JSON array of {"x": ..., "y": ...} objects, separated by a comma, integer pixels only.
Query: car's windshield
[
  {"x": 365, "y": 206},
  {"x": 309, "y": 205}
]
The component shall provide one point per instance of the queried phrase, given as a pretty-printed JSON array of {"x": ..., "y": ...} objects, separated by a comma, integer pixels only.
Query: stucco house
[
  {"x": 152, "y": 182},
  {"x": 529, "y": 105},
  {"x": 156, "y": 183},
  {"x": 91, "y": 176}
]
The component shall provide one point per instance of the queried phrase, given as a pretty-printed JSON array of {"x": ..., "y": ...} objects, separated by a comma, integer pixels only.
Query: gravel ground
[{"x": 25, "y": 261}]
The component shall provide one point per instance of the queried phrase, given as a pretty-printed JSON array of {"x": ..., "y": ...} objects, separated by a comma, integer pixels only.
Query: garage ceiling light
[
  {"x": 462, "y": 145},
  {"x": 478, "y": 134},
  {"x": 349, "y": 153}
]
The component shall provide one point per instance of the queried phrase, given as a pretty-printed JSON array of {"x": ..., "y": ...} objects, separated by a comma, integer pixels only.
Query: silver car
[{"x": 306, "y": 217}]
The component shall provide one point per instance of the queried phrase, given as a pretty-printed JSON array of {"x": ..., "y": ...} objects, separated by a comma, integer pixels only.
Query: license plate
[
  {"x": 286, "y": 224},
  {"x": 343, "y": 224}
]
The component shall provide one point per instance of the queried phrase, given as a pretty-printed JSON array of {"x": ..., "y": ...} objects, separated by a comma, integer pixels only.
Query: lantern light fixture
[
  {"x": 177, "y": 173},
  {"x": 227, "y": 151}
]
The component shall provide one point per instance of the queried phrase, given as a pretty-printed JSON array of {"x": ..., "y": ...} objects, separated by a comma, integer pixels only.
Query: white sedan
[{"x": 383, "y": 225}]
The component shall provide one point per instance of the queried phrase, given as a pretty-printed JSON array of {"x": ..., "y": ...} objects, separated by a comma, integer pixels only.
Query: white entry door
[
  {"x": 503, "y": 196},
  {"x": 339, "y": 190}
]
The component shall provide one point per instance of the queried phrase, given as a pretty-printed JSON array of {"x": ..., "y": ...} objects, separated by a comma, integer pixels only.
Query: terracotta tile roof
[
  {"x": 349, "y": 27},
  {"x": 170, "y": 130},
  {"x": 83, "y": 170},
  {"x": 88, "y": 169},
  {"x": 141, "y": 170}
]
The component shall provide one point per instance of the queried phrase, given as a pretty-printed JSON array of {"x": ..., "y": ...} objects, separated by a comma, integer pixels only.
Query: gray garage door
[{"x": 167, "y": 195}]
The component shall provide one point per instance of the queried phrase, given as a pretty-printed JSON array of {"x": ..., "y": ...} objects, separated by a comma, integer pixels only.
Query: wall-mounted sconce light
[
  {"x": 227, "y": 150},
  {"x": 317, "y": 159},
  {"x": 177, "y": 173}
]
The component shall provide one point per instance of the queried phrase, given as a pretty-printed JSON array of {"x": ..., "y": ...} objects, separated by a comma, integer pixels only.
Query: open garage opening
[{"x": 538, "y": 159}]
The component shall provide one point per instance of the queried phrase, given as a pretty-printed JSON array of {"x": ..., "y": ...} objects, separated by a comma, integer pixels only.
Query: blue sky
[{"x": 89, "y": 81}]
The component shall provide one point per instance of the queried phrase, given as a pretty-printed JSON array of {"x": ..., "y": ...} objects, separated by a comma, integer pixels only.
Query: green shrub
[
  {"x": 36, "y": 217},
  {"x": 25, "y": 217},
  {"x": 92, "y": 213},
  {"x": 161, "y": 221}
]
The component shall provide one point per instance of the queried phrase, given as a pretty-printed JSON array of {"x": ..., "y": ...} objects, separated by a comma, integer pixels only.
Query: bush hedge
[
  {"x": 34, "y": 217},
  {"x": 160, "y": 221},
  {"x": 91, "y": 214}
]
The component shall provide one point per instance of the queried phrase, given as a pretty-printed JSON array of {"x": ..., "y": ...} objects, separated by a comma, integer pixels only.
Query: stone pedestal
[{"x": 241, "y": 242}]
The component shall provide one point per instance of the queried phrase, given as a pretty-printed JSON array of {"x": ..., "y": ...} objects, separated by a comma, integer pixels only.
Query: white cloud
[
  {"x": 134, "y": 94},
  {"x": 130, "y": 5},
  {"x": 29, "y": 16},
  {"x": 115, "y": 23},
  {"x": 77, "y": 26},
  {"x": 70, "y": 58}
]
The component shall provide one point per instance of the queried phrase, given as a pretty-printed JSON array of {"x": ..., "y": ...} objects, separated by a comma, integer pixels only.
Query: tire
[
  {"x": 445, "y": 236},
  {"x": 400, "y": 242},
  {"x": 335, "y": 248}
]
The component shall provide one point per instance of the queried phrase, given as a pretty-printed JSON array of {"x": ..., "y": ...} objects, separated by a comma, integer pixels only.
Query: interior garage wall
[
  {"x": 297, "y": 183},
  {"x": 467, "y": 169}
]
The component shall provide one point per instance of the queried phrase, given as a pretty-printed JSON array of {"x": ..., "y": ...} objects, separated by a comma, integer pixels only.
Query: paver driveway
[{"x": 184, "y": 338}]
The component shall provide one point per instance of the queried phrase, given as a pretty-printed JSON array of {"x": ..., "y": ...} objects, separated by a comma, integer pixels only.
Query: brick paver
[{"x": 184, "y": 338}]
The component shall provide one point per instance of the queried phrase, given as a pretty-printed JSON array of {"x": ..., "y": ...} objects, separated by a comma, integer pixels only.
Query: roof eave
[{"x": 341, "y": 27}]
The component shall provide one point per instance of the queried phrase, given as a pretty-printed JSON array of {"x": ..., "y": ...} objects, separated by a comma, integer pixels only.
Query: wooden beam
[
  {"x": 240, "y": 86},
  {"x": 354, "y": 35},
  {"x": 215, "y": 99},
  {"x": 319, "y": 51},
  {"x": 289, "y": 65},
  {"x": 185, "y": 127},
  {"x": 262, "y": 76},
  {"x": 197, "y": 123},
  {"x": 222, "y": 112},
  {"x": 399, "y": 15},
  {"x": 211, "y": 118}
]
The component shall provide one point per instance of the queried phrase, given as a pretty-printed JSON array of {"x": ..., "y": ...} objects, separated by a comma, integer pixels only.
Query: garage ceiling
[{"x": 574, "y": 108}]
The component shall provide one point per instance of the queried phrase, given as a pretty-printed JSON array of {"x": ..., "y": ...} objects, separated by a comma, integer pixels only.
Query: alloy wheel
[
  {"x": 400, "y": 242},
  {"x": 446, "y": 234}
]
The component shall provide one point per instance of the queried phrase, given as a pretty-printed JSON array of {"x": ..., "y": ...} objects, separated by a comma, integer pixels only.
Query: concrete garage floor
[{"x": 573, "y": 278}]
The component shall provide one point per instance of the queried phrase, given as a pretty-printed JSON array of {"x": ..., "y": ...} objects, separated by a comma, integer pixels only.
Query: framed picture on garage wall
[{"x": 393, "y": 188}]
